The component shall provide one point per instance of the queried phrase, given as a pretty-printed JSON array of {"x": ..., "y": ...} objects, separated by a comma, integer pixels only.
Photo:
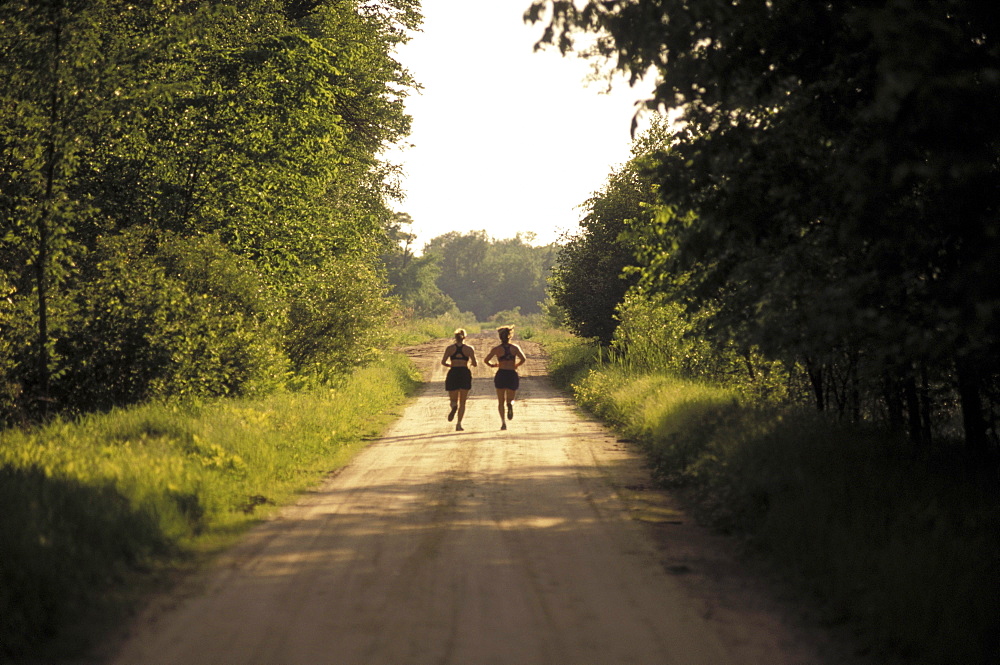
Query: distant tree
[
  {"x": 413, "y": 278},
  {"x": 485, "y": 276},
  {"x": 459, "y": 258},
  {"x": 515, "y": 275}
]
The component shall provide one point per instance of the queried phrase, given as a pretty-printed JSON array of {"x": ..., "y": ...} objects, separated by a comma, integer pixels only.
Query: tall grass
[
  {"x": 905, "y": 549},
  {"x": 569, "y": 358},
  {"x": 89, "y": 504}
]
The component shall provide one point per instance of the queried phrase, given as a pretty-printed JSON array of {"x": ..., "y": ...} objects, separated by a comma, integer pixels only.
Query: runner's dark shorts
[
  {"x": 459, "y": 378},
  {"x": 506, "y": 378}
]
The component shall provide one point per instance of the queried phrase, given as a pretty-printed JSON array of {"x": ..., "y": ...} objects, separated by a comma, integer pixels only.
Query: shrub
[
  {"x": 167, "y": 318},
  {"x": 416, "y": 330},
  {"x": 570, "y": 357},
  {"x": 334, "y": 310},
  {"x": 656, "y": 334},
  {"x": 13, "y": 353}
]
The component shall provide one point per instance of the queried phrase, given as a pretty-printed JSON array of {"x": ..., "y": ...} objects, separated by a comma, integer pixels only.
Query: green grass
[
  {"x": 93, "y": 507},
  {"x": 904, "y": 549},
  {"x": 570, "y": 359}
]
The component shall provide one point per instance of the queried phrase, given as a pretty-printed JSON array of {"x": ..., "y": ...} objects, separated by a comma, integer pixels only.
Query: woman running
[
  {"x": 458, "y": 382},
  {"x": 509, "y": 358}
]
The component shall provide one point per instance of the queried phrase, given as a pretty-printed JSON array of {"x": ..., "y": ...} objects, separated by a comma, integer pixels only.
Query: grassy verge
[
  {"x": 92, "y": 507},
  {"x": 904, "y": 549}
]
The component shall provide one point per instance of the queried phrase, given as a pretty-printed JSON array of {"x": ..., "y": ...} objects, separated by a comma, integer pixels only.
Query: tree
[
  {"x": 413, "y": 278},
  {"x": 258, "y": 125},
  {"x": 589, "y": 281},
  {"x": 515, "y": 276},
  {"x": 460, "y": 258},
  {"x": 486, "y": 276},
  {"x": 58, "y": 73},
  {"x": 839, "y": 165}
]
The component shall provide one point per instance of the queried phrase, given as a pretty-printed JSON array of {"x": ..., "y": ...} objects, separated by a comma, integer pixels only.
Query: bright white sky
[{"x": 505, "y": 139}]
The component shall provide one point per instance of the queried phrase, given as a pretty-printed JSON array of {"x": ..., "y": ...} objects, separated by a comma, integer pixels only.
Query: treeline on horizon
[
  {"x": 468, "y": 273},
  {"x": 823, "y": 226},
  {"x": 192, "y": 198}
]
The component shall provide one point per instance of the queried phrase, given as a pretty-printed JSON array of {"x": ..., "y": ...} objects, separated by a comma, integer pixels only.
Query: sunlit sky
[{"x": 505, "y": 139}]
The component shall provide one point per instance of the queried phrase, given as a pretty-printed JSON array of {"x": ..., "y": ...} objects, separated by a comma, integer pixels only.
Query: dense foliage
[
  {"x": 191, "y": 199},
  {"x": 832, "y": 197}
]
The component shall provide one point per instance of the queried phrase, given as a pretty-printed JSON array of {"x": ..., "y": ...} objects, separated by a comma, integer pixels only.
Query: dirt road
[{"x": 541, "y": 544}]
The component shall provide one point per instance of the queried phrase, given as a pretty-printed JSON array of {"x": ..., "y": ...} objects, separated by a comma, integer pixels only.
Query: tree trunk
[
  {"x": 855, "y": 394},
  {"x": 925, "y": 405},
  {"x": 41, "y": 288},
  {"x": 749, "y": 363},
  {"x": 973, "y": 419},
  {"x": 45, "y": 215},
  {"x": 914, "y": 422},
  {"x": 816, "y": 379},
  {"x": 893, "y": 404}
]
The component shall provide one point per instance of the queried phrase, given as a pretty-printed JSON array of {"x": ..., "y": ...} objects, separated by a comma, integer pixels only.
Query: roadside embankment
[
  {"x": 97, "y": 510},
  {"x": 897, "y": 547}
]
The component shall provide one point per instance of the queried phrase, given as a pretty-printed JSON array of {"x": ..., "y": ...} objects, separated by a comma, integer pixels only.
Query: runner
[
  {"x": 509, "y": 358},
  {"x": 458, "y": 383}
]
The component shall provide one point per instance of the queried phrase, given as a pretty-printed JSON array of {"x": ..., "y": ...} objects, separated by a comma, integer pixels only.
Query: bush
[
  {"x": 655, "y": 334},
  {"x": 417, "y": 330},
  {"x": 167, "y": 318},
  {"x": 13, "y": 353},
  {"x": 527, "y": 325},
  {"x": 334, "y": 312},
  {"x": 570, "y": 357},
  {"x": 905, "y": 547}
]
